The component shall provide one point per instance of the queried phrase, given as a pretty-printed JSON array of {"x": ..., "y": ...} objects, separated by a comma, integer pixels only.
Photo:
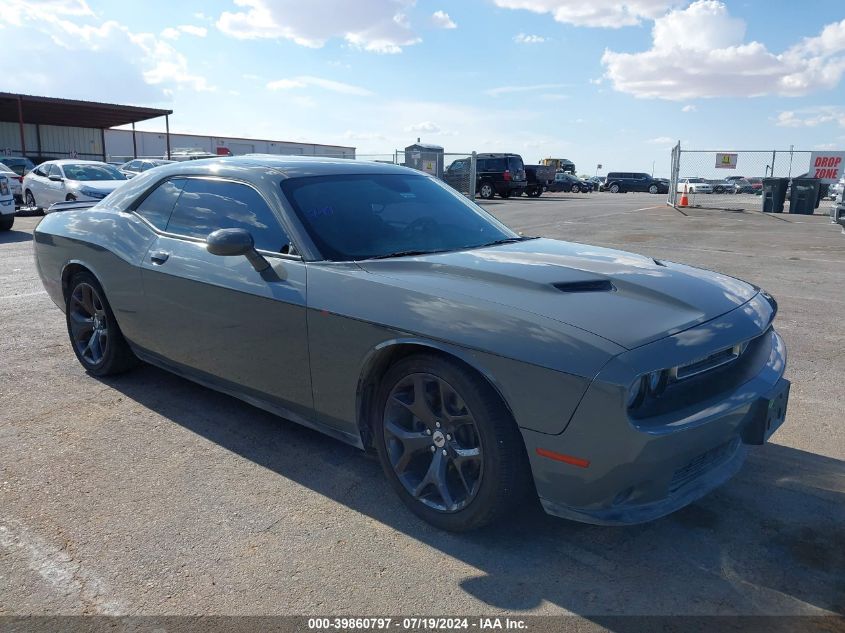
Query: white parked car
[
  {"x": 14, "y": 180},
  {"x": 694, "y": 185},
  {"x": 139, "y": 165},
  {"x": 62, "y": 180},
  {"x": 7, "y": 204}
]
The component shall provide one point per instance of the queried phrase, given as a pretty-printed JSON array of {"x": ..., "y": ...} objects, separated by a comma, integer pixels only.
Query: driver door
[{"x": 217, "y": 316}]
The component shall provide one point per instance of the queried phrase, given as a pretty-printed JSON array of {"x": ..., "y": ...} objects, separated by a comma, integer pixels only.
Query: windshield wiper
[
  {"x": 405, "y": 254},
  {"x": 508, "y": 240}
]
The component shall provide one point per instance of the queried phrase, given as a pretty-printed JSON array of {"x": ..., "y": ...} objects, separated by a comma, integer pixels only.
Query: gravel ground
[{"x": 147, "y": 494}]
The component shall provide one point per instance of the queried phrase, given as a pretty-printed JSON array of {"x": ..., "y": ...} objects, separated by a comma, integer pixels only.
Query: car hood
[
  {"x": 99, "y": 185},
  {"x": 623, "y": 297}
]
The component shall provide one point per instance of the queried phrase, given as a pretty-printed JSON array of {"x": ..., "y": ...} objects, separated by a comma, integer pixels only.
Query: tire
[
  {"x": 472, "y": 489},
  {"x": 614, "y": 188},
  {"x": 29, "y": 200},
  {"x": 575, "y": 189},
  {"x": 6, "y": 222},
  {"x": 486, "y": 191},
  {"x": 653, "y": 189},
  {"x": 87, "y": 312},
  {"x": 70, "y": 198}
]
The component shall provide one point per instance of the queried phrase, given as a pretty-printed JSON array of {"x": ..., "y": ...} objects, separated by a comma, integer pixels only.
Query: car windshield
[
  {"x": 696, "y": 179},
  {"x": 83, "y": 171},
  {"x": 352, "y": 217}
]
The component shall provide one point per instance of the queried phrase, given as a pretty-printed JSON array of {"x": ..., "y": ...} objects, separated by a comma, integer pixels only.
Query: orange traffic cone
[{"x": 684, "y": 200}]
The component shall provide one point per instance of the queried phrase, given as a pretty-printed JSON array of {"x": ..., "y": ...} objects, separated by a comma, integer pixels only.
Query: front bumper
[{"x": 632, "y": 471}]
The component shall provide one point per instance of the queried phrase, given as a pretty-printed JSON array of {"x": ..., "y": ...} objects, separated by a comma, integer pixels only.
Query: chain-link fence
[{"x": 731, "y": 180}]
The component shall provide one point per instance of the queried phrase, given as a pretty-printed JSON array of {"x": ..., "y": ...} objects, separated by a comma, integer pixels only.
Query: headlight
[
  {"x": 92, "y": 193},
  {"x": 636, "y": 393},
  {"x": 656, "y": 381}
]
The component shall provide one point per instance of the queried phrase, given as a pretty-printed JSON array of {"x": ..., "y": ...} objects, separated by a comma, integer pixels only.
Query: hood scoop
[{"x": 585, "y": 285}]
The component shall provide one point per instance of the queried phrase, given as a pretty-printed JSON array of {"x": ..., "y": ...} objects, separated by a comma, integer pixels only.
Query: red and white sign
[{"x": 827, "y": 166}]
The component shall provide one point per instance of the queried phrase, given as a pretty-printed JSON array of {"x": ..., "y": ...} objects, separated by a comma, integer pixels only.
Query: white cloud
[
  {"x": 701, "y": 51},
  {"x": 65, "y": 35},
  {"x": 380, "y": 26},
  {"x": 364, "y": 136},
  {"x": 424, "y": 126},
  {"x": 442, "y": 20},
  {"x": 501, "y": 90},
  {"x": 173, "y": 33},
  {"x": 689, "y": 108},
  {"x": 812, "y": 117},
  {"x": 661, "y": 140},
  {"x": 306, "y": 81},
  {"x": 525, "y": 38},
  {"x": 597, "y": 13},
  {"x": 190, "y": 29},
  {"x": 825, "y": 146}
]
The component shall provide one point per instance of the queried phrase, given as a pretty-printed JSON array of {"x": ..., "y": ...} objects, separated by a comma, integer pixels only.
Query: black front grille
[{"x": 701, "y": 464}]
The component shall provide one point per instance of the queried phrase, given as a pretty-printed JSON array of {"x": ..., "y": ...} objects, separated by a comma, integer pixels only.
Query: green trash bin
[
  {"x": 804, "y": 196},
  {"x": 774, "y": 194}
]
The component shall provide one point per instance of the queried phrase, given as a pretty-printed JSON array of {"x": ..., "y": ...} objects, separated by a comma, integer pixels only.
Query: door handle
[{"x": 159, "y": 257}]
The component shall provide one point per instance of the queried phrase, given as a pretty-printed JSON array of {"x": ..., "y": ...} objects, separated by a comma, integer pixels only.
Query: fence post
[
  {"x": 774, "y": 154},
  {"x": 472, "y": 172},
  {"x": 673, "y": 174}
]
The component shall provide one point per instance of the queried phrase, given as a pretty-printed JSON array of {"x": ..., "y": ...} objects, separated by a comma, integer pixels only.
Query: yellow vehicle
[{"x": 560, "y": 164}]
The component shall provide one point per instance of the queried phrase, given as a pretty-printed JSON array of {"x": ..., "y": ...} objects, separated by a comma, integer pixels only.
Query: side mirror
[
  {"x": 233, "y": 242},
  {"x": 55, "y": 178}
]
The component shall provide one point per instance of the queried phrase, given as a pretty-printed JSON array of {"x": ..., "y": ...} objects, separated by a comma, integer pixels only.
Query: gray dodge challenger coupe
[{"x": 377, "y": 305}]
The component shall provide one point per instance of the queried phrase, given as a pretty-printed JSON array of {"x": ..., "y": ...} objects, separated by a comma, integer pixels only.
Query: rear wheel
[
  {"x": 94, "y": 334},
  {"x": 614, "y": 188},
  {"x": 448, "y": 445},
  {"x": 29, "y": 200}
]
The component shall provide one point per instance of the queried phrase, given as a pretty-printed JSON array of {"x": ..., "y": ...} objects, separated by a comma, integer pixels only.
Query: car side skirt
[{"x": 245, "y": 394}]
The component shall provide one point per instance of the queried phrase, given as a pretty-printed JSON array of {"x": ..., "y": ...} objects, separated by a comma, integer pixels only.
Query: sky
[{"x": 594, "y": 81}]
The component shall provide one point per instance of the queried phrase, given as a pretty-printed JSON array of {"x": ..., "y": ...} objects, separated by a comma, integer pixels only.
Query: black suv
[
  {"x": 500, "y": 173},
  {"x": 625, "y": 181}
]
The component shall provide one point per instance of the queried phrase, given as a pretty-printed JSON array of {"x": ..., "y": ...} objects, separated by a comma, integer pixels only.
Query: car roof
[
  {"x": 496, "y": 155},
  {"x": 73, "y": 161},
  {"x": 288, "y": 166}
]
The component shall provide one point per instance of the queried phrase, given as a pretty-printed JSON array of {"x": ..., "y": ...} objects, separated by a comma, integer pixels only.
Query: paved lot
[{"x": 148, "y": 494}]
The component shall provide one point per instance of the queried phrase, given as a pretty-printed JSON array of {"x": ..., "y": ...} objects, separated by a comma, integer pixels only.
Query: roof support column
[
  {"x": 134, "y": 142},
  {"x": 20, "y": 125},
  {"x": 167, "y": 129},
  {"x": 103, "y": 141}
]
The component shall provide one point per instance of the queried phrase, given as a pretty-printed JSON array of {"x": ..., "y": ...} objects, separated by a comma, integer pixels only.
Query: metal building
[
  {"x": 47, "y": 128},
  {"x": 124, "y": 145}
]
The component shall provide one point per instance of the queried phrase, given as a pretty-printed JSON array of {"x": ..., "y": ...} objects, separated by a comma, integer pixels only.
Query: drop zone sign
[{"x": 827, "y": 166}]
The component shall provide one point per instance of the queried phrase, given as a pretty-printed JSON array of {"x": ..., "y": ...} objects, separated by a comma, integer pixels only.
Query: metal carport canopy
[
  {"x": 38, "y": 111},
  {"x": 69, "y": 112}
]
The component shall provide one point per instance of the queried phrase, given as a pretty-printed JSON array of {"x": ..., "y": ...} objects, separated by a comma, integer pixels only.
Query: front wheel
[
  {"x": 94, "y": 334},
  {"x": 486, "y": 191},
  {"x": 614, "y": 188},
  {"x": 575, "y": 189},
  {"x": 448, "y": 445},
  {"x": 652, "y": 189}
]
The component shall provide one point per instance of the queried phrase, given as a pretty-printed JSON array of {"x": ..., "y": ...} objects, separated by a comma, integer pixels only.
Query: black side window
[
  {"x": 158, "y": 204},
  {"x": 208, "y": 205},
  {"x": 496, "y": 164}
]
